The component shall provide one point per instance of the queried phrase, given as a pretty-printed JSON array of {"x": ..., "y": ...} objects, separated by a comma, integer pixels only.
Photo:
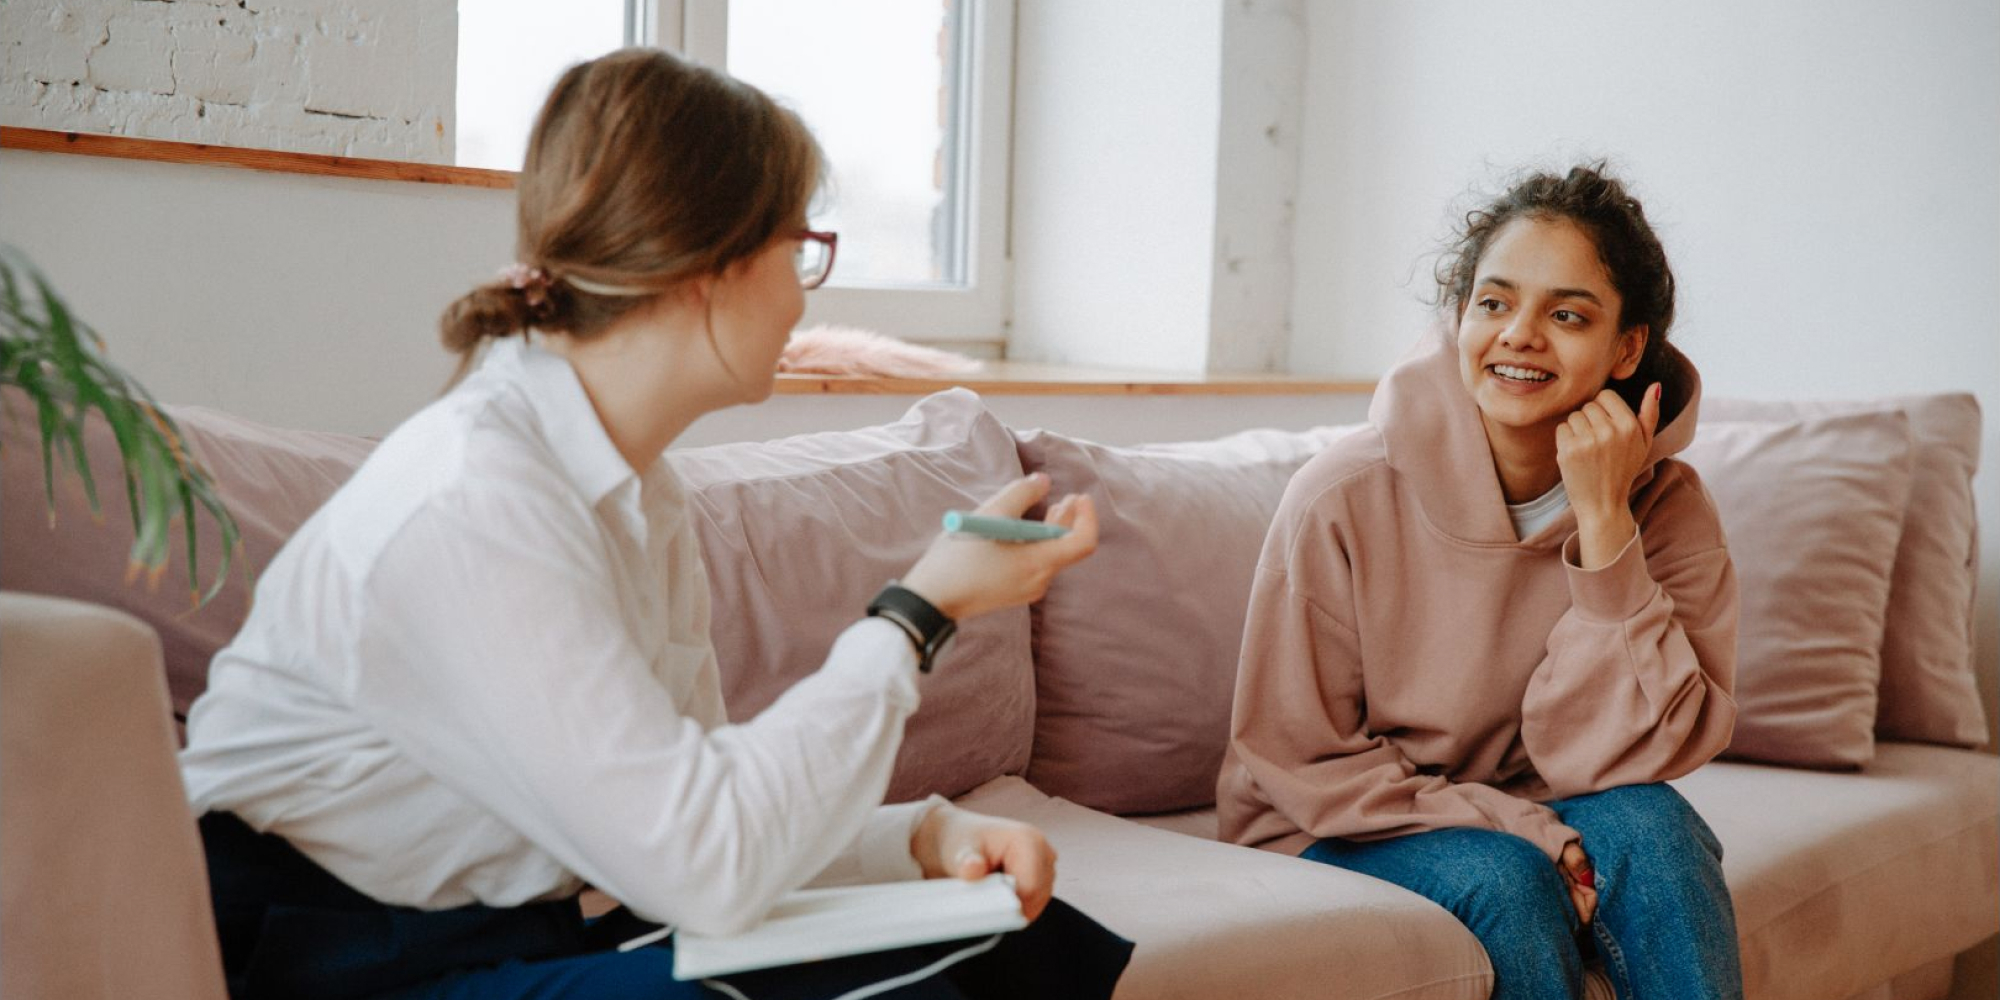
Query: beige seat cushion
[
  {"x": 1211, "y": 919},
  {"x": 1843, "y": 882}
]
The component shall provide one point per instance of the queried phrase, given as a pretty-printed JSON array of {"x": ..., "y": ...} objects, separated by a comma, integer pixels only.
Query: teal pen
[{"x": 1001, "y": 529}]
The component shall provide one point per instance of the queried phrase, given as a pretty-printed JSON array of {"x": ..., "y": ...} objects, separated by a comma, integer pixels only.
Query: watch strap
[{"x": 928, "y": 628}]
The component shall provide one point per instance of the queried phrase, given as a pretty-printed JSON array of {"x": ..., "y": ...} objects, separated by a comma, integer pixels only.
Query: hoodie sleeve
[
  {"x": 1638, "y": 682},
  {"x": 1299, "y": 730}
]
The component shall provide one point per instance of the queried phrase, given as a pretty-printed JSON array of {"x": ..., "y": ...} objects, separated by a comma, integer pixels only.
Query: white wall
[
  {"x": 312, "y": 302},
  {"x": 1825, "y": 174},
  {"x": 1114, "y": 182},
  {"x": 374, "y": 78},
  {"x": 1257, "y": 183},
  {"x": 301, "y": 301},
  {"x": 1155, "y": 162}
]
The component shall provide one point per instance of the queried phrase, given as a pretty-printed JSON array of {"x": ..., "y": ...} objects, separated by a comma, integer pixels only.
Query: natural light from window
[
  {"x": 510, "y": 53},
  {"x": 873, "y": 78},
  {"x": 870, "y": 77}
]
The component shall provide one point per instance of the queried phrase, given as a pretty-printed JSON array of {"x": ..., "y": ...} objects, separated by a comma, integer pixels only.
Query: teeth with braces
[{"x": 1521, "y": 374}]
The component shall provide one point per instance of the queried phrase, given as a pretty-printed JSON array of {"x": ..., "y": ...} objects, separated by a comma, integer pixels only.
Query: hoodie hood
[{"x": 1434, "y": 439}]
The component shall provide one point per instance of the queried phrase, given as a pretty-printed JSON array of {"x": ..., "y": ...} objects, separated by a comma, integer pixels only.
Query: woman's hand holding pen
[
  {"x": 966, "y": 577},
  {"x": 958, "y": 843}
]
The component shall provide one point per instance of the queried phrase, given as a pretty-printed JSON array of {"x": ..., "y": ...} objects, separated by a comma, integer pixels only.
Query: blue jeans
[{"x": 1664, "y": 923}]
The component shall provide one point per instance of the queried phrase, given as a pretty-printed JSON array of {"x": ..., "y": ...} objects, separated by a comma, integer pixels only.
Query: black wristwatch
[{"x": 928, "y": 628}]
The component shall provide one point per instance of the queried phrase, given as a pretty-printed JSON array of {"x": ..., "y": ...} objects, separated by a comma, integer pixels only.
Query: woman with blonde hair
[{"x": 480, "y": 679}]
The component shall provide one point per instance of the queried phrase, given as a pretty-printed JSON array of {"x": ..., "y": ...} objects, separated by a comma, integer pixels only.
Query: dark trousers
[{"x": 291, "y": 930}]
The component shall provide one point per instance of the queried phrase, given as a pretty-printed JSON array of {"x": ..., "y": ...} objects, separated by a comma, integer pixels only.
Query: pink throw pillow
[
  {"x": 1136, "y": 647},
  {"x": 270, "y": 479},
  {"x": 1929, "y": 690},
  {"x": 800, "y": 532},
  {"x": 1813, "y": 510}
]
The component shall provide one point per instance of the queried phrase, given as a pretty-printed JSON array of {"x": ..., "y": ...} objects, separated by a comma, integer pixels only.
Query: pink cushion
[
  {"x": 1136, "y": 647},
  {"x": 1813, "y": 510},
  {"x": 800, "y": 532},
  {"x": 1929, "y": 692},
  {"x": 270, "y": 479}
]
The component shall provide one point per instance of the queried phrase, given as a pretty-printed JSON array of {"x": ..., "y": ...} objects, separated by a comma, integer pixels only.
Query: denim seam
[
  {"x": 1614, "y": 957},
  {"x": 1851, "y": 876}
]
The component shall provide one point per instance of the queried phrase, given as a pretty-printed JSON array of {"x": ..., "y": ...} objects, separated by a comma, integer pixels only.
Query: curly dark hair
[{"x": 1615, "y": 221}]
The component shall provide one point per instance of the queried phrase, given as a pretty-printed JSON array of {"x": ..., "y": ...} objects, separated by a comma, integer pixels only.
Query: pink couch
[{"x": 1099, "y": 714}]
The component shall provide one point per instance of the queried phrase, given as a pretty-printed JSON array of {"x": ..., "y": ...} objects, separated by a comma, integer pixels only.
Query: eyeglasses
[{"x": 814, "y": 258}]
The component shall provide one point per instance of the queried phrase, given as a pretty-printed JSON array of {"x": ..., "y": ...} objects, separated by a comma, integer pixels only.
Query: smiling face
[{"x": 1539, "y": 336}]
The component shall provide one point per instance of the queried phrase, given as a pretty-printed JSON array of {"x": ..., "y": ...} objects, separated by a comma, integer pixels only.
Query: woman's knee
[
  {"x": 1500, "y": 886},
  {"x": 1647, "y": 827},
  {"x": 1444, "y": 865},
  {"x": 1512, "y": 875}
]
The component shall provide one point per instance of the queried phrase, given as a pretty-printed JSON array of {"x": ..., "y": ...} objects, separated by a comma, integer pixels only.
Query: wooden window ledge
[
  {"x": 1021, "y": 378},
  {"x": 994, "y": 378}
]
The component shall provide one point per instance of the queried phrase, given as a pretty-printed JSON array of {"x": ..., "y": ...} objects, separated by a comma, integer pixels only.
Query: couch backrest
[
  {"x": 1136, "y": 647},
  {"x": 798, "y": 534},
  {"x": 270, "y": 479}
]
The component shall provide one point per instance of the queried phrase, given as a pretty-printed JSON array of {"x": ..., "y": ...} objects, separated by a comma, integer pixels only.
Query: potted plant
[{"x": 58, "y": 362}]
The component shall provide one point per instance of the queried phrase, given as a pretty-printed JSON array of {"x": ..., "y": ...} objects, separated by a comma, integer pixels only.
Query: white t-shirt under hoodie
[{"x": 482, "y": 673}]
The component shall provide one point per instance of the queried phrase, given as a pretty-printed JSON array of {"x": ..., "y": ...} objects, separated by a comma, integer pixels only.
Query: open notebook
[{"x": 813, "y": 924}]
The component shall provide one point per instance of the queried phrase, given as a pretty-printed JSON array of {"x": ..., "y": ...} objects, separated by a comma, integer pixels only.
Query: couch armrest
[{"x": 103, "y": 890}]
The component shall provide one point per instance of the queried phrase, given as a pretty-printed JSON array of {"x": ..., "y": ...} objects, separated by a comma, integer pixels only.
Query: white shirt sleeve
[
  {"x": 882, "y": 852},
  {"x": 496, "y": 659}
]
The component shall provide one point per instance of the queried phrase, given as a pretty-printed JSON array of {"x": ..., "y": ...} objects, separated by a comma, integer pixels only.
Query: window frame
[{"x": 976, "y": 314}]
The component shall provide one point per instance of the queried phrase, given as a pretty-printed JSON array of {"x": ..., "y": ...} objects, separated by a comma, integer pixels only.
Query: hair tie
[
  {"x": 533, "y": 283},
  {"x": 521, "y": 277}
]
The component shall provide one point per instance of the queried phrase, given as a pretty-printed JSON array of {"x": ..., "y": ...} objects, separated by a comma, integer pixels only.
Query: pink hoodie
[{"x": 1410, "y": 665}]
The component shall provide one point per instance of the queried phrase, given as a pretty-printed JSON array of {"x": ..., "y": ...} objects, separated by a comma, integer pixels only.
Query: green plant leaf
[{"x": 59, "y": 362}]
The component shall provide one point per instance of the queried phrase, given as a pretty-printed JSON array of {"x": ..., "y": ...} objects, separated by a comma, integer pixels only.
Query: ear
[
  {"x": 1631, "y": 347},
  {"x": 693, "y": 293}
]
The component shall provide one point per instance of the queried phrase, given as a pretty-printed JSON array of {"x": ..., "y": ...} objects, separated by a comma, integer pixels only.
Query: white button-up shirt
[{"x": 482, "y": 672}]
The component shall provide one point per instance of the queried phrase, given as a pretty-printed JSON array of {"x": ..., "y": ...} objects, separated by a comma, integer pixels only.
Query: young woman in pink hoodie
[{"x": 1485, "y": 632}]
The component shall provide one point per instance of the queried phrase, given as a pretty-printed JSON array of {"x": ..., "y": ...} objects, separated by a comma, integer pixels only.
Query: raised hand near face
[{"x": 1600, "y": 449}]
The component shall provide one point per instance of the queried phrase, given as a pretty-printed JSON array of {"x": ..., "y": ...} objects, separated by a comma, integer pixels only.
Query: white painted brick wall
[{"x": 372, "y": 78}]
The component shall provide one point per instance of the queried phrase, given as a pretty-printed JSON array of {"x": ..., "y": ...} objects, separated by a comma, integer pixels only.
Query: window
[
  {"x": 509, "y": 55},
  {"x": 909, "y": 98}
]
